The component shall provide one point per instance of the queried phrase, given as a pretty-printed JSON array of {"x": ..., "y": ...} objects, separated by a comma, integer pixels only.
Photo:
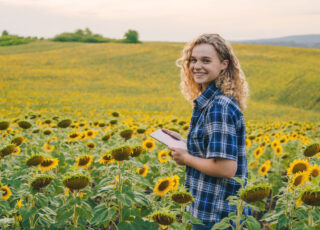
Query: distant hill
[
  {"x": 308, "y": 41},
  {"x": 92, "y": 78}
]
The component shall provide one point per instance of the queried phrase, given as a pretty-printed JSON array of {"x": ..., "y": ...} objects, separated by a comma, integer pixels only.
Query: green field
[{"x": 93, "y": 79}]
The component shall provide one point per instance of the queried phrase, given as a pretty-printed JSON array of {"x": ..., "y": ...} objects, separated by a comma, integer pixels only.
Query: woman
[{"x": 211, "y": 78}]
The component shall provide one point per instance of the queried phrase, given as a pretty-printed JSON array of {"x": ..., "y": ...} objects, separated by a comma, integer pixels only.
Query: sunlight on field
[
  {"x": 75, "y": 150},
  {"x": 143, "y": 78}
]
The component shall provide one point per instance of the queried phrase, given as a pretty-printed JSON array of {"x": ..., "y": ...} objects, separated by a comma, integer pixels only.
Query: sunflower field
[
  {"x": 75, "y": 150},
  {"x": 61, "y": 173}
]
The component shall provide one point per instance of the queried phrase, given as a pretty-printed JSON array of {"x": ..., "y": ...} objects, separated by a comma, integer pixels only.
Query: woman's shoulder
[{"x": 227, "y": 103}]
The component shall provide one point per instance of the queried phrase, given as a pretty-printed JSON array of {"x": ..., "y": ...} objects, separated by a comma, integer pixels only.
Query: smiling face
[{"x": 205, "y": 65}]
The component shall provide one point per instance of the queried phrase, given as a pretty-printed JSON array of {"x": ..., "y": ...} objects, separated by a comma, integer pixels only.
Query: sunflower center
[
  {"x": 107, "y": 157},
  {"x": 298, "y": 180},
  {"x": 142, "y": 170},
  {"x": 163, "y": 185},
  {"x": 299, "y": 168},
  {"x": 90, "y": 133},
  {"x": 315, "y": 173},
  {"x": 5, "y": 192},
  {"x": 149, "y": 144},
  {"x": 164, "y": 156},
  {"x": 84, "y": 160},
  {"x": 46, "y": 162},
  {"x": 74, "y": 135}
]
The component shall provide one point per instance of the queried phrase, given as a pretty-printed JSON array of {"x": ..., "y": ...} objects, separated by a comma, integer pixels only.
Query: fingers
[
  {"x": 171, "y": 148},
  {"x": 165, "y": 130}
]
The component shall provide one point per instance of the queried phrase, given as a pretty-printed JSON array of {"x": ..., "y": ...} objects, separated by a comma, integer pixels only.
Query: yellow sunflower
[
  {"x": 275, "y": 143},
  {"x": 298, "y": 166},
  {"x": 314, "y": 171},
  {"x": 248, "y": 142},
  {"x": 48, "y": 148},
  {"x": 16, "y": 151},
  {"x": 266, "y": 139},
  {"x": 175, "y": 182},
  {"x": 253, "y": 164},
  {"x": 84, "y": 161},
  {"x": 52, "y": 139},
  {"x": 19, "y": 203},
  {"x": 6, "y": 192},
  {"x": 284, "y": 139},
  {"x": 163, "y": 156},
  {"x": 263, "y": 170},
  {"x": 163, "y": 186},
  {"x": 299, "y": 179},
  {"x": 148, "y": 144},
  {"x": 299, "y": 202},
  {"x": 258, "y": 139},
  {"x": 143, "y": 171},
  {"x": 74, "y": 136},
  {"x": 106, "y": 159},
  {"x": 91, "y": 145},
  {"x": 278, "y": 150},
  {"x": 258, "y": 152},
  {"x": 91, "y": 133},
  {"x": 48, "y": 164}
]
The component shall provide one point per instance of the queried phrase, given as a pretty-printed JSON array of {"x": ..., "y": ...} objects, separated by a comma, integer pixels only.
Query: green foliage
[
  {"x": 81, "y": 36},
  {"x": 131, "y": 36},
  {"x": 5, "y": 33},
  {"x": 87, "y": 36},
  {"x": 11, "y": 40}
]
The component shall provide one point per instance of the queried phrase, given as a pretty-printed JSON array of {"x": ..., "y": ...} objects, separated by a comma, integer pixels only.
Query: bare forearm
[{"x": 211, "y": 167}]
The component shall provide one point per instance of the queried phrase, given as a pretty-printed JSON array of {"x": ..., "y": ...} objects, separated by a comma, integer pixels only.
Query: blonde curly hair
[{"x": 231, "y": 81}]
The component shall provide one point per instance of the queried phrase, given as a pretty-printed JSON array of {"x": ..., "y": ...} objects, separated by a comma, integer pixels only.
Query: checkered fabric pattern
[{"x": 217, "y": 130}]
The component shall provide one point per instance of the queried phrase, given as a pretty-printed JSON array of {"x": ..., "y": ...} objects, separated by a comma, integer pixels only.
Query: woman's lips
[{"x": 198, "y": 74}]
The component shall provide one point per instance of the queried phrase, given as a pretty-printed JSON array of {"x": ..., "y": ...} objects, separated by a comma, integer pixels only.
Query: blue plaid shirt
[{"x": 217, "y": 130}]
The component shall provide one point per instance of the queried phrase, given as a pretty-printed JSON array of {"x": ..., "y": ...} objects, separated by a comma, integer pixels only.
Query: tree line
[{"x": 86, "y": 35}]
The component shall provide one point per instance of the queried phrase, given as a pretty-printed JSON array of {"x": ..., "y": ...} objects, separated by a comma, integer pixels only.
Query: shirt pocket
[{"x": 196, "y": 140}]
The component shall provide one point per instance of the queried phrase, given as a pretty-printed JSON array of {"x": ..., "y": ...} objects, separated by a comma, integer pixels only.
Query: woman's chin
[{"x": 198, "y": 80}]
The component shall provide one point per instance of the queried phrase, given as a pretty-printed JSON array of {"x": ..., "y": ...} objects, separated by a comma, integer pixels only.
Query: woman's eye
[
  {"x": 206, "y": 61},
  {"x": 193, "y": 60}
]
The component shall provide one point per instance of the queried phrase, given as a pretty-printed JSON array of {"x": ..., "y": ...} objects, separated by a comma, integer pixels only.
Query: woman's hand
[
  {"x": 179, "y": 155},
  {"x": 174, "y": 134}
]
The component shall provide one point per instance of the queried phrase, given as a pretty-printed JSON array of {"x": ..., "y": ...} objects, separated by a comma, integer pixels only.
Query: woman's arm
[{"x": 216, "y": 167}]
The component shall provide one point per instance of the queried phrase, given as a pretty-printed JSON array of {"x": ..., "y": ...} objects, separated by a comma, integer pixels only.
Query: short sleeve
[{"x": 221, "y": 131}]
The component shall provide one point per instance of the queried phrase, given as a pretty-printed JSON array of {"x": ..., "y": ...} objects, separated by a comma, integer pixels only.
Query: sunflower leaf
[
  {"x": 4, "y": 221},
  {"x": 101, "y": 214},
  {"x": 252, "y": 223},
  {"x": 64, "y": 213}
]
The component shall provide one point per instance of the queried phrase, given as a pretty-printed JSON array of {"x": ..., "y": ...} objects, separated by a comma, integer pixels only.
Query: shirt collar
[{"x": 206, "y": 96}]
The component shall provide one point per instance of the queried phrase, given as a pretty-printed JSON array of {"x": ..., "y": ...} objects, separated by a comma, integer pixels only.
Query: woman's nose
[{"x": 197, "y": 65}]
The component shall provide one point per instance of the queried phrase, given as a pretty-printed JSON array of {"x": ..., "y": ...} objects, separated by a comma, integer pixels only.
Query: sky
[{"x": 162, "y": 20}]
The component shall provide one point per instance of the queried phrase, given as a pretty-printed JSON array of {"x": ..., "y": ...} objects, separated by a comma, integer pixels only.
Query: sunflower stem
[
  {"x": 310, "y": 218},
  {"x": 120, "y": 191},
  {"x": 182, "y": 211},
  {"x": 75, "y": 218},
  {"x": 239, "y": 213},
  {"x": 32, "y": 217}
]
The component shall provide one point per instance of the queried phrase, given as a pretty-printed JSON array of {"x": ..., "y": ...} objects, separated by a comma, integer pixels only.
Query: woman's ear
[{"x": 224, "y": 64}]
